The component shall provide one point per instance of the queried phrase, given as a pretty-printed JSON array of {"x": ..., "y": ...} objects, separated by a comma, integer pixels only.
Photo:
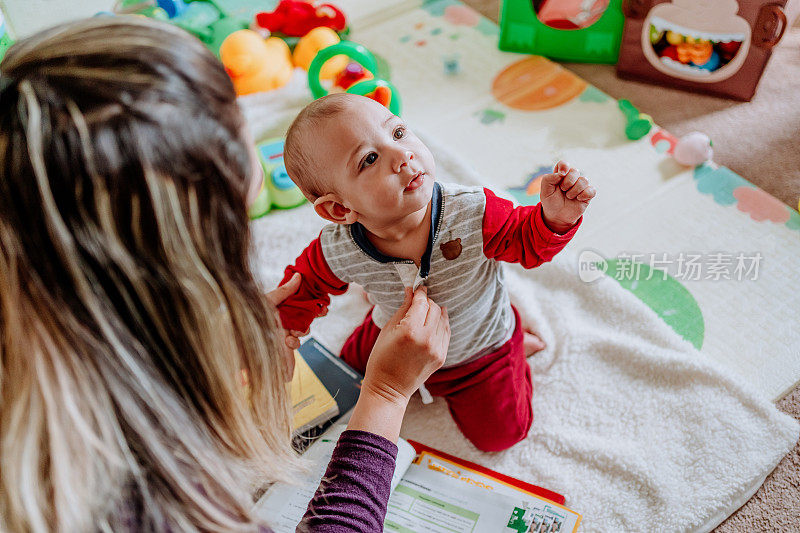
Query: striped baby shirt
[{"x": 471, "y": 230}]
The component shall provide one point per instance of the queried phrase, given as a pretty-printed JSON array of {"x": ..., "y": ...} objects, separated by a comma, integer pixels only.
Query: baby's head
[{"x": 356, "y": 161}]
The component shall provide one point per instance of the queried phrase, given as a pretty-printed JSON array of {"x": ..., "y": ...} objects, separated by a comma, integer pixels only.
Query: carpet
[{"x": 768, "y": 155}]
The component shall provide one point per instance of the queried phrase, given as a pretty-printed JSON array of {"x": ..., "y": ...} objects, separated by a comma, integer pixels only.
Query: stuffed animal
[
  {"x": 255, "y": 65},
  {"x": 693, "y": 149},
  {"x": 296, "y": 18},
  {"x": 310, "y": 44}
]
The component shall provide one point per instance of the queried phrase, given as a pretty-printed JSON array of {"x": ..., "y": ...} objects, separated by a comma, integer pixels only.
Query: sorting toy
[
  {"x": 377, "y": 89},
  {"x": 254, "y": 64},
  {"x": 638, "y": 124},
  {"x": 278, "y": 190},
  {"x": 588, "y": 31},
  {"x": 693, "y": 149},
  {"x": 715, "y": 46}
]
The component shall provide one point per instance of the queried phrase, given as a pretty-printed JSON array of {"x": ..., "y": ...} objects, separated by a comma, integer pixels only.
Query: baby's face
[{"x": 378, "y": 168}]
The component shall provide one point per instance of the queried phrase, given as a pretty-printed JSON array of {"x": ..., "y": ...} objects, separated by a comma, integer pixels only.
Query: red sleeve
[
  {"x": 300, "y": 309},
  {"x": 519, "y": 234}
]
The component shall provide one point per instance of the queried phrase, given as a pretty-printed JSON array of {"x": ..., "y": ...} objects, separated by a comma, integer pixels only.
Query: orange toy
[
  {"x": 697, "y": 52},
  {"x": 310, "y": 44},
  {"x": 255, "y": 65},
  {"x": 382, "y": 95}
]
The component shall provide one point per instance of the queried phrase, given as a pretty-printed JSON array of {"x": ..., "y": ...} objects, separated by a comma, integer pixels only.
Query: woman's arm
[
  {"x": 353, "y": 494},
  {"x": 355, "y": 489}
]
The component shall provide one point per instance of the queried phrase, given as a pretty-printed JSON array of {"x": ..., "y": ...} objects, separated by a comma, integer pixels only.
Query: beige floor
[{"x": 760, "y": 140}]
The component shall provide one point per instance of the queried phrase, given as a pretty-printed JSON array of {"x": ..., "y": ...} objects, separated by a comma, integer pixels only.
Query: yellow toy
[
  {"x": 311, "y": 43},
  {"x": 255, "y": 65}
]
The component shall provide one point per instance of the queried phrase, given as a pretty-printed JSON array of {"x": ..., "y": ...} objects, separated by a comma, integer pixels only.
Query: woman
[{"x": 128, "y": 313}]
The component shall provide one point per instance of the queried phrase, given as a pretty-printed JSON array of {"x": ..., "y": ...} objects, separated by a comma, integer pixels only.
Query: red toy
[
  {"x": 295, "y": 18},
  {"x": 352, "y": 74}
]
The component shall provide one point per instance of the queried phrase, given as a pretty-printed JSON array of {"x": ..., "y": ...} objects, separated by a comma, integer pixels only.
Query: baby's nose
[{"x": 406, "y": 157}]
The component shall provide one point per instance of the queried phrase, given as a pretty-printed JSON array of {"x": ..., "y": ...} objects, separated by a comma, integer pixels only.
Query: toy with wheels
[
  {"x": 376, "y": 88},
  {"x": 278, "y": 190}
]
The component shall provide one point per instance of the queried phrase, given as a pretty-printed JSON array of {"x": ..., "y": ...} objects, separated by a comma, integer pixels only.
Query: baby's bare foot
[{"x": 531, "y": 343}]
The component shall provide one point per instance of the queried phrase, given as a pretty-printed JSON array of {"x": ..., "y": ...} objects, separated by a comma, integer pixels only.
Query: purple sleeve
[{"x": 353, "y": 494}]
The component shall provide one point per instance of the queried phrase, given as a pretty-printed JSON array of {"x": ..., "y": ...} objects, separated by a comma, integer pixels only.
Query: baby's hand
[
  {"x": 565, "y": 195},
  {"x": 291, "y": 336}
]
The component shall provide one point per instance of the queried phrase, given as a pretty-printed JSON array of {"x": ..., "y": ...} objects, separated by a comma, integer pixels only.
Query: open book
[{"x": 432, "y": 492}]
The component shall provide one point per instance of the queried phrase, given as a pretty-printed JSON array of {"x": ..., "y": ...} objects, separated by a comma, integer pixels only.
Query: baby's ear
[{"x": 330, "y": 208}]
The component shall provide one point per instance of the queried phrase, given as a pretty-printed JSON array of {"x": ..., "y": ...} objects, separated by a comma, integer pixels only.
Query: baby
[{"x": 393, "y": 226}]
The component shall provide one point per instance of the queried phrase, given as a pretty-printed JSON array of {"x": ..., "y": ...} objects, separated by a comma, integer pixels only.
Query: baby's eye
[
  {"x": 399, "y": 133},
  {"x": 371, "y": 158}
]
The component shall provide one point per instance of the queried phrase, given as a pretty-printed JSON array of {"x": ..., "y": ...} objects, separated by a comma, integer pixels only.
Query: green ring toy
[
  {"x": 360, "y": 54},
  {"x": 367, "y": 86},
  {"x": 354, "y": 51}
]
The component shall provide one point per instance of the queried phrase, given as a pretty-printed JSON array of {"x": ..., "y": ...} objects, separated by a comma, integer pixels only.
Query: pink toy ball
[{"x": 693, "y": 149}]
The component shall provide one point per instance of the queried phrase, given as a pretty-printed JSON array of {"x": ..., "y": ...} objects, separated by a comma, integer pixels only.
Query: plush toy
[
  {"x": 296, "y": 18},
  {"x": 310, "y": 44},
  {"x": 256, "y": 65},
  {"x": 693, "y": 149}
]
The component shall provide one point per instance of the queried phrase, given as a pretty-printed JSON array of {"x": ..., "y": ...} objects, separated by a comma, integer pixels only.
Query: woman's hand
[
  {"x": 411, "y": 346},
  {"x": 291, "y": 337}
]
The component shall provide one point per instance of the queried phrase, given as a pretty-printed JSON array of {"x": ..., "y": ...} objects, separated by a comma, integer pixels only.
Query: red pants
[{"x": 489, "y": 398}]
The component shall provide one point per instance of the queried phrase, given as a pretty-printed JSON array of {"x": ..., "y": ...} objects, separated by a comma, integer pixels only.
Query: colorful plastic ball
[
  {"x": 712, "y": 64},
  {"x": 674, "y": 38},
  {"x": 693, "y": 149},
  {"x": 655, "y": 35}
]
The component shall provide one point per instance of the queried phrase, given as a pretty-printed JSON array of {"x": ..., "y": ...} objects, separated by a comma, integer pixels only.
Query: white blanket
[{"x": 639, "y": 430}]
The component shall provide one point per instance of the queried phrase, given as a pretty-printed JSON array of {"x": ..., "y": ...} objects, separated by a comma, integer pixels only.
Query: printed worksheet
[{"x": 439, "y": 496}]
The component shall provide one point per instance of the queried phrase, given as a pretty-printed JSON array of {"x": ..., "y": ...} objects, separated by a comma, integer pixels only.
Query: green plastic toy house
[{"x": 585, "y": 31}]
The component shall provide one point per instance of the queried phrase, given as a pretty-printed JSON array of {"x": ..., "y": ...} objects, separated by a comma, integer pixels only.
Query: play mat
[
  {"x": 730, "y": 251},
  {"x": 716, "y": 257}
]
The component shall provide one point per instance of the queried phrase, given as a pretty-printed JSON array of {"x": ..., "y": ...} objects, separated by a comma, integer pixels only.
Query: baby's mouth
[{"x": 416, "y": 182}]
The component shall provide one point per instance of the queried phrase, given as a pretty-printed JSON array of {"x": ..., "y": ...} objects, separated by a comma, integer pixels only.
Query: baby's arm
[
  {"x": 312, "y": 298},
  {"x": 519, "y": 234}
]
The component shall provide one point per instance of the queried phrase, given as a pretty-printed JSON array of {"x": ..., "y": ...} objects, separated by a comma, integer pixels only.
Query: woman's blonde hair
[{"x": 128, "y": 313}]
